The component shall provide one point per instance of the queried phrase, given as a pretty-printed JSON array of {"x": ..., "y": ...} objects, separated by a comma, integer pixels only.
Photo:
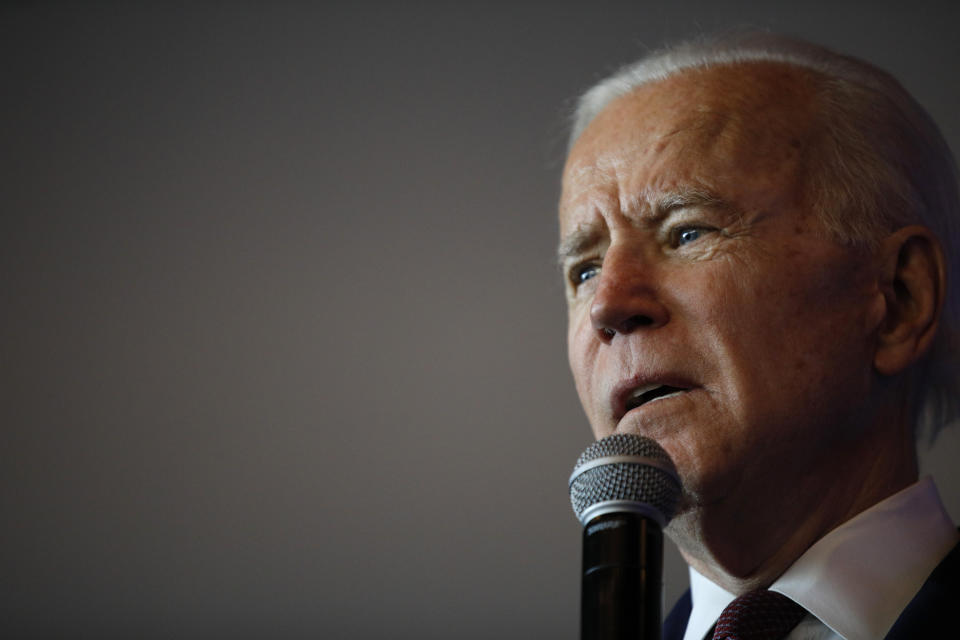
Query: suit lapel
[
  {"x": 928, "y": 614},
  {"x": 676, "y": 623},
  {"x": 932, "y": 610}
]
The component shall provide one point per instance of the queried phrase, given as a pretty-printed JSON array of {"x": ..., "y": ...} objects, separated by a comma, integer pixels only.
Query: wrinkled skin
[{"x": 691, "y": 260}]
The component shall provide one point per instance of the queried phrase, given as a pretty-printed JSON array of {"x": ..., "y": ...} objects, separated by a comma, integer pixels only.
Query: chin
[{"x": 685, "y": 530}]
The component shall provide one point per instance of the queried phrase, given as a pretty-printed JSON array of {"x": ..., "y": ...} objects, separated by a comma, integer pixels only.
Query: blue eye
[
  {"x": 687, "y": 235},
  {"x": 584, "y": 273}
]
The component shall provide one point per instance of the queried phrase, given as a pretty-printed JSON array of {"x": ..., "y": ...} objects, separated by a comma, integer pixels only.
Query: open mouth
[{"x": 649, "y": 393}]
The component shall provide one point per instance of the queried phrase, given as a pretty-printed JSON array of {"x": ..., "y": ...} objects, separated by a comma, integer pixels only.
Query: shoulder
[{"x": 932, "y": 609}]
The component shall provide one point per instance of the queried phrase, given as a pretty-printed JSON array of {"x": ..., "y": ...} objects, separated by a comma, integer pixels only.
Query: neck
[{"x": 741, "y": 547}]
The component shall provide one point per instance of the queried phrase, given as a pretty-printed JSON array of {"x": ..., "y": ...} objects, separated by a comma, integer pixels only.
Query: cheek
[
  {"x": 794, "y": 341},
  {"x": 581, "y": 353}
]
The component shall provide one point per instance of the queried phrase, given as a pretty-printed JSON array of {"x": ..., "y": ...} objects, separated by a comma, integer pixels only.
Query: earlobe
[{"x": 914, "y": 282}]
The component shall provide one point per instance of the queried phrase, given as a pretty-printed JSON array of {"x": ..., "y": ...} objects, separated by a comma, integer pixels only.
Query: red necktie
[{"x": 758, "y": 615}]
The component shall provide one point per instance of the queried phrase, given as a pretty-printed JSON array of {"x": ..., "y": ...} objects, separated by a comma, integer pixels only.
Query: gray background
[{"x": 282, "y": 335}]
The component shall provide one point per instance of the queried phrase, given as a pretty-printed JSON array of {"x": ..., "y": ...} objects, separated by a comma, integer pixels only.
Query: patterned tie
[{"x": 758, "y": 615}]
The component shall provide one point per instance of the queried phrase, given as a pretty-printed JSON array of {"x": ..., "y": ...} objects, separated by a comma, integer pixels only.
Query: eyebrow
[
  {"x": 688, "y": 197},
  {"x": 587, "y": 236},
  {"x": 579, "y": 241}
]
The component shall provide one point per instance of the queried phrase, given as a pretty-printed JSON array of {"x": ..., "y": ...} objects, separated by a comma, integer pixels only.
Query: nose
[{"x": 626, "y": 298}]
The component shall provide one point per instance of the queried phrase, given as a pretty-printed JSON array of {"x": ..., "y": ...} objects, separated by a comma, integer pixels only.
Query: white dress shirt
[{"x": 857, "y": 579}]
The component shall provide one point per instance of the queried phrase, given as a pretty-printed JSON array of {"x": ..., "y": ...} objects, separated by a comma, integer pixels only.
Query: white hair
[{"x": 882, "y": 165}]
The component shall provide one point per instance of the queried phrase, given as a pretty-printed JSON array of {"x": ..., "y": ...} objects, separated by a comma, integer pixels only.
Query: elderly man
[{"x": 755, "y": 238}]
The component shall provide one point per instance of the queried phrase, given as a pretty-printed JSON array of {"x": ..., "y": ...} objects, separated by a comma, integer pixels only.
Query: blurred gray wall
[{"x": 282, "y": 335}]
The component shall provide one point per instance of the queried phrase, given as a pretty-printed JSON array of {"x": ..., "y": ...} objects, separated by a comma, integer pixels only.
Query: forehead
[{"x": 726, "y": 129}]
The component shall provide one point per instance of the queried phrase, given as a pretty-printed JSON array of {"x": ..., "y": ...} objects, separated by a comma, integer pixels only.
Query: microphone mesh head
[{"x": 652, "y": 482}]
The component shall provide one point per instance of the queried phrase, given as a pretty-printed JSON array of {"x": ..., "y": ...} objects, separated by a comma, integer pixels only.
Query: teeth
[
  {"x": 639, "y": 391},
  {"x": 650, "y": 393}
]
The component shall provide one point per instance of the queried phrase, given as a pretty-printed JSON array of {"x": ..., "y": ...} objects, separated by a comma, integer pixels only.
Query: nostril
[
  {"x": 630, "y": 324},
  {"x": 635, "y": 322}
]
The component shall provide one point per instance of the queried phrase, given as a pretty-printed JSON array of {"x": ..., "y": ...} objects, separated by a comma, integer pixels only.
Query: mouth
[{"x": 648, "y": 393}]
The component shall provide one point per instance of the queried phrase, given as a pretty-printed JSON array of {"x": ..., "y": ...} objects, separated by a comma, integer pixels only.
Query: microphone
[{"x": 624, "y": 489}]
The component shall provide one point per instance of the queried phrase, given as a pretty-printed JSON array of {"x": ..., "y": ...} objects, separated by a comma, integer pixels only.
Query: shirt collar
[
  {"x": 709, "y": 601},
  {"x": 859, "y": 577}
]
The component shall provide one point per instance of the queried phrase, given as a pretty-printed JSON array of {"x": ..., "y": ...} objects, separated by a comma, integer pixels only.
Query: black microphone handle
[{"x": 621, "y": 589}]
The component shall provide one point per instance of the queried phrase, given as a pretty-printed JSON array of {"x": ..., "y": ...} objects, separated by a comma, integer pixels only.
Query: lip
[{"x": 624, "y": 390}]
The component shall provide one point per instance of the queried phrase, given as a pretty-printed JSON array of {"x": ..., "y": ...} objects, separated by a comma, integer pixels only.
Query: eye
[
  {"x": 685, "y": 236},
  {"x": 583, "y": 272}
]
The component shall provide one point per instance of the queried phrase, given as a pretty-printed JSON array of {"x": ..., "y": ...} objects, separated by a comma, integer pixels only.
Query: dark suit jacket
[{"x": 928, "y": 614}]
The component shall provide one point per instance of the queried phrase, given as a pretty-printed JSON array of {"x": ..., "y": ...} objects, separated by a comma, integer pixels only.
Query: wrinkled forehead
[
  {"x": 749, "y": 119},
  {"x": 755, "y": 98}
]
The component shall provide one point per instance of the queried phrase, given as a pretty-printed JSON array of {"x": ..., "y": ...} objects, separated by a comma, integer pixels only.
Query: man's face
[{"x": 708, "y": 310}]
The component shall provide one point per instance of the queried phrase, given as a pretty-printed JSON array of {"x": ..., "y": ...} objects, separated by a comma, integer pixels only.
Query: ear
[{"x": 913, "y": 281}]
